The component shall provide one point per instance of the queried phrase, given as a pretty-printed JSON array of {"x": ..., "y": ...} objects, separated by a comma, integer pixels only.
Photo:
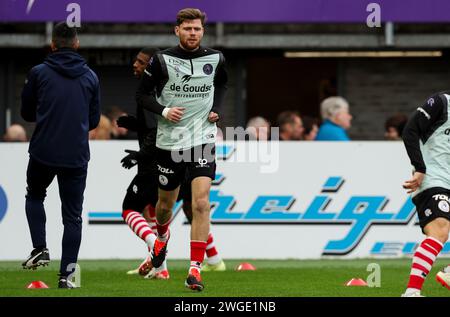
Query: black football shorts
[{"x": 174, "y": 167}]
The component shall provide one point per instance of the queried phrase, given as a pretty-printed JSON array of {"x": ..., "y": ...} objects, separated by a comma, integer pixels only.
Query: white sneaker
[
  {"x": 443, "y": 277},
  {"x": 219, "y": 267},
  {"x": 133, "y": 272},
  {"x": 136, "y": 271},
  {"x": 412, "y": 294}
]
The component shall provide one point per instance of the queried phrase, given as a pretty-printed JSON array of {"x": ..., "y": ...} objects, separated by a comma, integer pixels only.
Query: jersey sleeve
[
  {"x": 419, "y": 127},
  {"x": 220, "y": 86},
  {"x": 146, "y": 92}
]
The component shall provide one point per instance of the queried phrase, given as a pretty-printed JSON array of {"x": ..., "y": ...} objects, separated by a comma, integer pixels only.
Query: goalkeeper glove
[
  {"x": 128, "y": 122},
  {"x": 130, "y": 160}
]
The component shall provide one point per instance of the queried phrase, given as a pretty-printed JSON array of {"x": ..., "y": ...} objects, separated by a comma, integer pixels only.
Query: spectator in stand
[
  {"x": 291, "y": 126},
  {"x": 311, "y": 127},
  {"x": 103, "y": 130},
  {"x": 394, "y": 127},
  {"x": 15, "y": 133},
  {"x": 337, "y": 119},
  {"x": 258, "y": 128}
]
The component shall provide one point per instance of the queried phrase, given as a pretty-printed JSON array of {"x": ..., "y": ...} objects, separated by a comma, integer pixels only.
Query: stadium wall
[
  {"x": 377, "y": 89},
  {"x": 270, "y": 200}
]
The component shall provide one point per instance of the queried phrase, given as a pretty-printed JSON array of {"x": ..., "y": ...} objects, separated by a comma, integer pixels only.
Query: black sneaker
[
  {"x": 37, "y": 257},
  {"x": 159, "y": 252},
  {"x": 194, "y": 281},
  {"x": 65, "y": 283}
]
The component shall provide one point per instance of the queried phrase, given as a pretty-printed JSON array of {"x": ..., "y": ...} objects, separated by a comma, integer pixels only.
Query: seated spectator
[
  {"x": 117, "y": 132},
  {"x": 337, "y": 119},
  {"x": 291, "y": 126},
  {"x": 311, "y": 127},
  {"x": 103, "y": 130},
  {"x": 15, "y": 133},
  {"x": 258, "y": 128},
  {"x": 394, "y": 127}
]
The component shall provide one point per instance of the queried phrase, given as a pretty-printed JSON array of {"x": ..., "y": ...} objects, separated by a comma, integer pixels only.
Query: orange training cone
[
  {"x": 356, "y": 282},
  {"x": 245, "y": 267},
  {"x": 36, "y": 285}
]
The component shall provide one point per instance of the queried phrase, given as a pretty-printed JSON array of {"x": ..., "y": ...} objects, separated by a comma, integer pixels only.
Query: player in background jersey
[
  {"x": 185, "y": 86},
  {"x": 142, "y": 193},
  {"x": 427, "y": 141}
]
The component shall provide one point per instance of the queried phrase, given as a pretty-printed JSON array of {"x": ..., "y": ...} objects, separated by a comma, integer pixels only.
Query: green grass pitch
[{"x": 273, "y": 278}]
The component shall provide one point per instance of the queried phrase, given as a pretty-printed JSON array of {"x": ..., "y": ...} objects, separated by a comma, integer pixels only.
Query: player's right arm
[
  {"x": 419, "y": 128},
  {"x": 146, "y": 93},
  {"x": 29, "y": 97}
]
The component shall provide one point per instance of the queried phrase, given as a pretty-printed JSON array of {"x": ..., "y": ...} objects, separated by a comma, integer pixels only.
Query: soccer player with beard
[
  {"x": 142, "y": 193},
  {"x": 185, "y": 86}
]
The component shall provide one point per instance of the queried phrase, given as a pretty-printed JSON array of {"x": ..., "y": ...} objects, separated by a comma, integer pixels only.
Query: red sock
[
  {"x": 152, "y": 221},
  {"x": 210, "y": 247},
  {"x": 197, "y": 253},
  {"x": 162, "y": 228},
  {"x": 423, "y": 261}
]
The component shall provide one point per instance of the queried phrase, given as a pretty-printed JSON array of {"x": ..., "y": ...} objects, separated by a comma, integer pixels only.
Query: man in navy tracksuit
[{"x": 62, "y": 96}]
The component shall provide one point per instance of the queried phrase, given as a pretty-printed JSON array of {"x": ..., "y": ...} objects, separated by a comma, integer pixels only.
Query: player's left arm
[{"x": 220, "y": 88}]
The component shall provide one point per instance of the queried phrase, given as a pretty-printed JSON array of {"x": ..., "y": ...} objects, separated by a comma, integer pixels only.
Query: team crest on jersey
[{"x": 208, "y": 69}]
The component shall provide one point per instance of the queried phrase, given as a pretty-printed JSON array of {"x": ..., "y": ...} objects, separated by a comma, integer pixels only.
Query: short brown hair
[
  {"x": 397, "y": 121},
  {"x": 190, "y": 14},
  {"x": 286, "y": 117}
]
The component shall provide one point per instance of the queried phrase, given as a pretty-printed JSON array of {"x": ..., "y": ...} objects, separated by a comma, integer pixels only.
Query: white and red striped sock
[
  {"x": 211, "y": 251},
  {"x": 422, "y": 263},
  {"x": 140, "y": 227}
]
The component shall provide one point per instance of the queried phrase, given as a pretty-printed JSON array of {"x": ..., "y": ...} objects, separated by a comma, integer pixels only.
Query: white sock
[
  {"x": 411, "y": 290},
  {"x": 214, "y": 260},
  {"x": 195, "y": 265}
]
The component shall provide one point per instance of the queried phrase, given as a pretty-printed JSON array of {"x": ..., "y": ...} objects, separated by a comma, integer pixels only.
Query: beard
[{"x": 190, "y": 45}]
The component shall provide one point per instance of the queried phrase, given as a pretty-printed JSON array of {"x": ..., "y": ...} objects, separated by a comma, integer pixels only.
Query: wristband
[{"x": 165, "y": 112}]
